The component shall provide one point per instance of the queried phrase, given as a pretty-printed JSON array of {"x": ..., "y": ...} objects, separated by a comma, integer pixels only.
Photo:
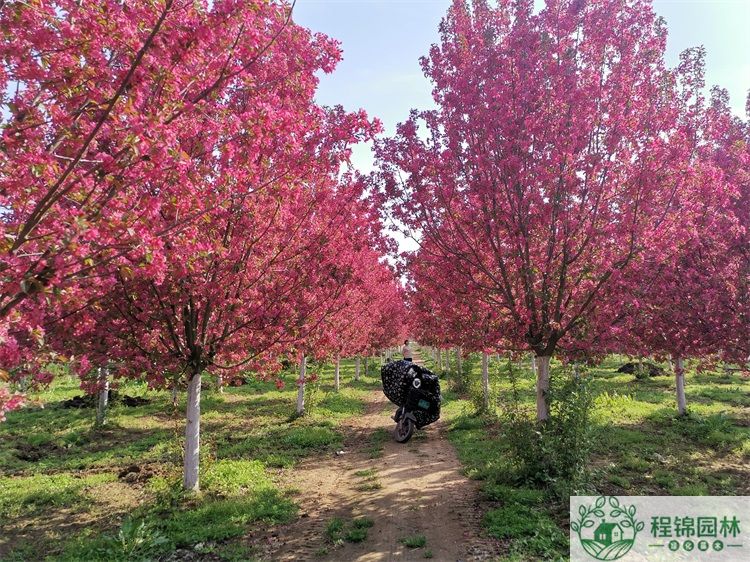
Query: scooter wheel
[{"x": 404, "y": 430}]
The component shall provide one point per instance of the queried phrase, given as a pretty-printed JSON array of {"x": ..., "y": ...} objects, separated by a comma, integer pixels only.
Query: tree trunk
[
  {"x": 337, "y": 373},
  {"x": 174, "y": 394},
  {"x": 301, "y": 386},
  {"x": 679, "y": 375},
  {"x": 533, "y": 365},
  {"x": 193, "y": 435},
  {"x": 576, "y": 370},
  {"x": 440, "y": 360},
  {"x": 485, "y": 381},
  {"x": 101, "y": 407},
  {"x": 458, "y": 360},
  {"x": 366, "y": 362},
  {"x": 542, "y": 386},
  {"x": 356, "y": 368},
  {"x": 220, "y": 384}
]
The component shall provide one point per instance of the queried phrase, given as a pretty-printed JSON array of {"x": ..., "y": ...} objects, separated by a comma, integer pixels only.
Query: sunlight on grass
[
  {"x": 640, "y": 446},
  {"x": 248, "y": 432}
]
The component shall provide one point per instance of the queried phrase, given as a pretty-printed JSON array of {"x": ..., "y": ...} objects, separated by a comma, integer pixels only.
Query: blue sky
[{"x": 383, "y": 40}]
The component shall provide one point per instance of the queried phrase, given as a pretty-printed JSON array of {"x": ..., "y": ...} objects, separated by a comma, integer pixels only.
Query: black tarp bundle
[{"x": 424, "y": 402}]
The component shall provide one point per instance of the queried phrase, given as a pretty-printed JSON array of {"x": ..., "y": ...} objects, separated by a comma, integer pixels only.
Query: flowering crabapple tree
[
  {"x": 450, "y": 311},
  {"x": 553, "y": 159},
  {"x": 683, "y": 307},
  {"x": 111, "y": 113},
  {"x": 730, "y": 152},
  {"x": 238, "y": 292},
  {"x": 373, "y": 315},
  {"x": 9, "y": 401},
  {"x": 348, "y": 237},
  {"x": 245, "y": 279},
  {"x": 695, "y": 303}
]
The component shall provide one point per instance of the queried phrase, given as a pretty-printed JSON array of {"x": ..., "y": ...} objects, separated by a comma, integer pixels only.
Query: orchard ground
[{"x": 273, "y": 484}]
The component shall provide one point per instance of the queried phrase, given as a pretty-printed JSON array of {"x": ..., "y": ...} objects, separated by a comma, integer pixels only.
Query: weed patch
[
  {"x": 356, "y": 530},
  {"x": 414, "y": 541},
  {"x": 377, "y": 442}
]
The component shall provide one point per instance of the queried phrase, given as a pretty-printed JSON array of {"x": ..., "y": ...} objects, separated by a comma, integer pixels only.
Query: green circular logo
[{"x": 607, "y": 529}]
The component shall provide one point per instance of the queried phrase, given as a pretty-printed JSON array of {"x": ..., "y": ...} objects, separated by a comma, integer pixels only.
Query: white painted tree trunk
[
  {"x": 193, "y": 435},
  {"x": 337, "y": 373},
  {"x": 486, "y": 381},
  {"x": 174, "y": 394},
  {"x": 220, "y": 383},
  {"x": 301, "y": 386},
  {"x": 366, "y": 362},
  {"x": 542, "y": 386},
  {"x": 440, "y": 360},
  {"x": 679, "y": 375},
  {"x": 533, "y": 365},
  {"x": 101, "y": 406},
  {"x": 458, "y": 360},
  {"x": 356, "y": 368}
]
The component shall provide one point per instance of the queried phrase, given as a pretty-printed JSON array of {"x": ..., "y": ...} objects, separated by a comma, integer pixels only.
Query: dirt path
[{"x": 411, "y": 489}]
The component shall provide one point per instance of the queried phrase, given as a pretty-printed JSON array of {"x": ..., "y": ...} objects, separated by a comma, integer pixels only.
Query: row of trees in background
[
  {"x": 173, "y": 201},
  {"x": 571, "y": 194}
]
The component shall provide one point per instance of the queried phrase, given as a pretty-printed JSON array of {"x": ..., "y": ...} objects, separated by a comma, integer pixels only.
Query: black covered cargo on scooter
[{"x": 421, "y": 398}]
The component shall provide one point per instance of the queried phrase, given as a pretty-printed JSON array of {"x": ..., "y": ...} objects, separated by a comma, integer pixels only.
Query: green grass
[
  {"x": 414, "y": 541},
  {"x": 337, "y": 530},
  {"x": 56, "y": 468},
  {"x": 230, "y": 478},
  {"x": 377, "y": 442},
  {"x": 532, "y": 531},
  {"x": 509, "y": 494},
  {"x": 36, "y": 494},
  {"x": 363, "y": 523},
  {"x": 641, "y": 447},
  {"x": 369, "y": 480},
  {"x": 356, "y": 535}
]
